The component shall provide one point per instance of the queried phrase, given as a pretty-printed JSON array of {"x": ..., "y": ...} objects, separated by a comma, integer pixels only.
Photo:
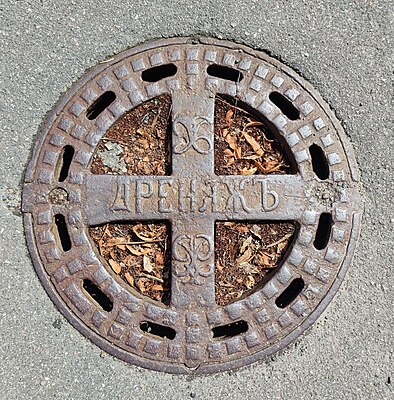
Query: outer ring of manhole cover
[{"x": 82, "y": 200}]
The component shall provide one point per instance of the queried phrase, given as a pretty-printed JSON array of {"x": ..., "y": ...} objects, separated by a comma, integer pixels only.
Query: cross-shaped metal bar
[{"x": 193, "y": 198}]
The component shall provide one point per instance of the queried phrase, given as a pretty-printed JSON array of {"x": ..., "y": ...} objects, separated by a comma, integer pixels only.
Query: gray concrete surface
[{"x": 345, "y": 49}]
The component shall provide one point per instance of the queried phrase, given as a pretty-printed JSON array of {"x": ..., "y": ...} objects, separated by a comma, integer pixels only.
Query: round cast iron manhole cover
[{"x": 192, "y": 333}]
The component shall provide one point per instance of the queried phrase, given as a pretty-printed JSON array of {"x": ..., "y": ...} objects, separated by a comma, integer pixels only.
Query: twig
[
  {"x": 279, "y": 241},
  {"x": 151, "y": 277}
]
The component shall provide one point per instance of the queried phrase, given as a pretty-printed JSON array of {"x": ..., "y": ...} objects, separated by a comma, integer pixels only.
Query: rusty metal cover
[{"x": 192, "y": 334}]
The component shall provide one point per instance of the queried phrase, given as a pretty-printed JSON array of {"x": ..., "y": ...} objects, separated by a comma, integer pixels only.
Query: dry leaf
[
  {"x": 265, "y": 260},
  {"x": 245, "y": 244},
  {"x": 155, "y": 278},
  {"x": 245, "y": 257},
  {"x": 116, "y": 241},
  {"x": 160, "y": 258},
  {"x": 232, "y": 141},
  {"x": 144, "y": 143},
  {"x": 242, "y": 229},
  {"x": 253, "y": 123},
  {"x": 141, "y": 284},
  {"x": 157, "y": 287},
  {"x": 279, "y": 241},
  {"x": 250, "y": 282},
  {"x": 219, "y": 266},
  {"x": 249, "y": 268},
  {"x": 146, "y": 264},
  {"x": 134, "y": 251},
  {"x": 129, "y": 278},
  {"x": 141, "y": 236},
  {"x": 229, "y": 115},
  {"x": 143, "y": 132},
  {"x": 128, "y": 260},
  {"x": 248, "y": 171},
  {"x": 230, "y": 161},
  {"x": 281, "y": 246},
  {"x": 253, "y": 143},
  {"x": 252, "y": 157},
  {"x": 115, "y": 266}
]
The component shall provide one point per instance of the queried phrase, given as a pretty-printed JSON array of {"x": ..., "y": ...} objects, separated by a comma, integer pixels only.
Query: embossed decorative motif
[
  {"x": 190, "y": 134},
  {"x": 190, "y": 200},
  {"x": 192, "y": 253}
]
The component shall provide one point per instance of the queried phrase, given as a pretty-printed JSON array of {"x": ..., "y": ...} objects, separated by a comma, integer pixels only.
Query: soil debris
[
  {"x": 245, "y": 253},
  {"x": 244, "y": 145},
  {"x": 138, "y": 143},
  {"x": 139, "y": 254}
]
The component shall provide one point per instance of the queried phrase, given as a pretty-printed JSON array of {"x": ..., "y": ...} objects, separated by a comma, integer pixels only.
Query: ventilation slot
[
  {"x": 284, "y": 105},
  {"x": 233, "y": 329},
  {"x": 156, "y": 74},
  {"x": 162, "y": 331},
  {"x": 63, "y": 165},
  {"x": 229, "y": 74},
  {"x": 100, "y": 105},
  {"x": 62, "y": 232},
  {"x": 98, "y": 295},
  {"x": 290, "y": 293},
  {"x": 319, "y": 162},
  {"x": 323, "y": 231}
]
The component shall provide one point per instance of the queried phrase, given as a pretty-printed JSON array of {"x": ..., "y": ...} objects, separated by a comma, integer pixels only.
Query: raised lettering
[
  {"x": 266, "y": 195},
  {"x": 236, "y": 202},
  {"x": 163, "y": 195},
  {"x": 122, "y": 196},
  {"x": 187, "y": 191},
  {"x": 140, "y": 193},
  {"x": 212, "y": 196},
  {"x": 169, "y": 195}
]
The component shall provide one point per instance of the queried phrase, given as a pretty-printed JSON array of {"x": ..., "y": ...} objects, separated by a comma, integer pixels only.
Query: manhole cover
[{"x": 192, "y": 199}]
